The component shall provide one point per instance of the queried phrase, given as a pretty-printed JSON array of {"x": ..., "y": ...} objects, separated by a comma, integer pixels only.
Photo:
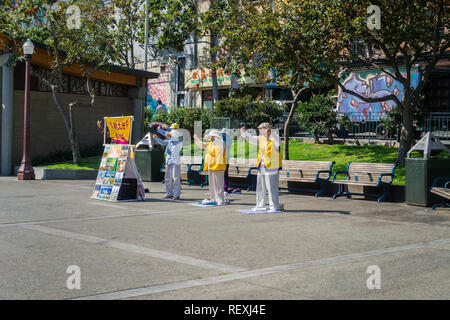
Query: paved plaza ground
[{"x": 319, "y": 248}]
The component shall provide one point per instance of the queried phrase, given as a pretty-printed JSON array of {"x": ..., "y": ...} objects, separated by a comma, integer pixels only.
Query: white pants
[
  {"x": 269, "y": 182},
  {"x": 216, "y": 189},
  {"x": 172, "y": 180}
]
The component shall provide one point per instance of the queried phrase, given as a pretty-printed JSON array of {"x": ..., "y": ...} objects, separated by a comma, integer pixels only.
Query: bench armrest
[
  {"x": 323, "y": 171},
  {"x": 340, "y": 172},
  {"x": 440, "y": 179},
  {"x": 385, "y": 175},
  {"x": 195, "y": 164},
  {"x": 250, "y": 171},
  {"x": 447, "y": 186}
]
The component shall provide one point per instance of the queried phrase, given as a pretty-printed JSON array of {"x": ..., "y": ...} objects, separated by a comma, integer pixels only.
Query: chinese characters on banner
[
  {"x": 202, "y": 78},
  {"x": 119, "y": 129}
]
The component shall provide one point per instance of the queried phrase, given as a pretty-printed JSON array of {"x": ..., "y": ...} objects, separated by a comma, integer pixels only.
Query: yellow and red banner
[{"x": 119, "y": 129}]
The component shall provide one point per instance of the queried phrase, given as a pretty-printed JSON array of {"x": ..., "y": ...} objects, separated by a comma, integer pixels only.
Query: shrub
[
  {"x": 160, "y": 116},
  {"x": 148, "y": 115},
  {"x": 317, "y": 116},
  {"x": 247, "y": 111},
  {"x": 196, "y": 114},
  {"x": 185, "y": 117}
]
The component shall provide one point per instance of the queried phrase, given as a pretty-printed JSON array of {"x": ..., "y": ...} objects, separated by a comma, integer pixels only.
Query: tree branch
[
  {"x": 54, "y": 88},
  {"x": 390, "y": 97}
]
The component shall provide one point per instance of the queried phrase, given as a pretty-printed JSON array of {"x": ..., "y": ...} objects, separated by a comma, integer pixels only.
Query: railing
[
  {"x": 362, "y": 127},
  {"x": 439, "y": 125},
  {"x": 370, "y": 127}
]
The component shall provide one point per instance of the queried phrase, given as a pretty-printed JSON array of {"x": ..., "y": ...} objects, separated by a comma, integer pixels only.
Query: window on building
[
  {"x": 181, "y": 70},
  {"x": 180, "y": 100}
]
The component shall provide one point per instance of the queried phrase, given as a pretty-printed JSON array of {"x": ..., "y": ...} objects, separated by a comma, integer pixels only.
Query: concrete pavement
[{"x": 159, "y": 249}]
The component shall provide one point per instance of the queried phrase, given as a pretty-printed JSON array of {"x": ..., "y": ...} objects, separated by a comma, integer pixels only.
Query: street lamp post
[{"x": 26, "y": 171}]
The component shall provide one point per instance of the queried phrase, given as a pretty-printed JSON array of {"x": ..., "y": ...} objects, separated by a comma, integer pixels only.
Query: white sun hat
[
  {"x": 264, "y": 125},
  {"x": 213, "y": 133}
]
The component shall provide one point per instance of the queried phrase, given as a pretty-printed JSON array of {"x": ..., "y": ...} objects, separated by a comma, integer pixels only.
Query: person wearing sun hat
[
  {"x": 162, "y": 130},
  {"x": 228, "y": 140},
  {"x": 172, "y": 178},
  {"x": 269, "y": 164},
  {"x": 215, "y": 162}
]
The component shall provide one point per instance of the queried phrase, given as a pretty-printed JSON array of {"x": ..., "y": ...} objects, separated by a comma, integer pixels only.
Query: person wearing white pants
[
  {"x": 215, "y": 162},
  {"x": 172, "y": 181},
  {"x": 172, "y": 178},
  {"x": 269, "y": 165}
]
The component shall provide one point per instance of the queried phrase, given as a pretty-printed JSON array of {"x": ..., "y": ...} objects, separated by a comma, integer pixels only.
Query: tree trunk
[
  {"x": 75, "y": 146},
  {"x": 215, "y": 84},
  {"x": 330, "y": 137},
  {"x": 287, "y": 126},
  {"x": 213, "y": 56},
  {"x": 407, "y": 132},
  {"x": 316, "y": 137}
]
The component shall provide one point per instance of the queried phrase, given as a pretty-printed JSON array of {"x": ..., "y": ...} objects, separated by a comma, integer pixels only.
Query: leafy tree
[
  {"x": 411, "y": 33},
  {"x": 274, "y": 44},
  {"x": 182, "y": 22},
  {"x": 318, "y": 117},
  {"x": 126, "y": 31},
  {"x": 85, "y": 43}
]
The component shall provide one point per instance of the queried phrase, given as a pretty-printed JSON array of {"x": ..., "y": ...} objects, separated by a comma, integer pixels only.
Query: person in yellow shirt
[
  {"x": 269, "y": 165},
  {"x": 215, "y": 163}
]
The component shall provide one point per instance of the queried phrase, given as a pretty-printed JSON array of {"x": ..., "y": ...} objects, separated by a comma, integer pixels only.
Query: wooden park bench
[
  {"x": 239, "y": 168},
  {"x": 191, "y": 165},
  {"x": 244, "y": 169},
  {"x": 307, "y": 171},
  {"x": 443, "y": 192},
  {"x": 366, "y": 174}
]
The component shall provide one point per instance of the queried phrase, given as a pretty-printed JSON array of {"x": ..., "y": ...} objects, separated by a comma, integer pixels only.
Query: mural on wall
[
  {"x": 371, "y": 83},
  {"x": 158, "y": 89}
]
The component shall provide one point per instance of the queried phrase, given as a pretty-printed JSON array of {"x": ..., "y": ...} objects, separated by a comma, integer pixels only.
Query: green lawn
[
  {"x": 89, "y": 163},
  {"x": 342, "y": 154}
]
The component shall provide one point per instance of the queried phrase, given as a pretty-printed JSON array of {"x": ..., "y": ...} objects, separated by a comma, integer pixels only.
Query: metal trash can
[
  {"x": 421, "y": 172},
  {"x": 149, "y": 158}
]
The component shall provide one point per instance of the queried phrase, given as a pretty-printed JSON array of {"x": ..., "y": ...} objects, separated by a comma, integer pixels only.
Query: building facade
[{"x": 120, "y": 92}]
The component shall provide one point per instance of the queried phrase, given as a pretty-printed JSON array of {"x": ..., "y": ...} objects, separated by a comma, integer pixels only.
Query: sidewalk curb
[{"x": 57, "y": 174}]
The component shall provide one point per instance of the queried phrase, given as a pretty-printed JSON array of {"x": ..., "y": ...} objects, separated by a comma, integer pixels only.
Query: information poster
[
  {"x": 116, "y": 166},
  {"x": 119, "y": 129}
]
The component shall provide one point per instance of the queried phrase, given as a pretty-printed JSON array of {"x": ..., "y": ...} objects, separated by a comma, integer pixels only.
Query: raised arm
[
  {"x": 160, "y": 141},
  {"x": 199, "y": 143},
  {"x": 275, "y": 140},
  {"x": 247, "y": 136}
]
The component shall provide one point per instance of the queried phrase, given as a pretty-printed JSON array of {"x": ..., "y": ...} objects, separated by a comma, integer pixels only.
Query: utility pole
[{"x": 146, "y": 37}]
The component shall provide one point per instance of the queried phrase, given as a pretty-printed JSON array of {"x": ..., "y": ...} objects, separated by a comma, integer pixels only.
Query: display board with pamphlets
[{"x": 118, "y": 178}]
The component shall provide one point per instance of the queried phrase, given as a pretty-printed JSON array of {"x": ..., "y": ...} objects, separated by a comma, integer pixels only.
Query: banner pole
[
  {"x": 104, "y": 131},
  {"x": 131, "y": 130}
]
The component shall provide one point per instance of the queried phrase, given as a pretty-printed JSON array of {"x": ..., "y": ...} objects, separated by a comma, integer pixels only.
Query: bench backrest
[
  {"x": 368, "y": 171},
  {"x": 191, "y": 160},
  {"x": 241, "y": 162},
  {"x": 304, "y": 169}
]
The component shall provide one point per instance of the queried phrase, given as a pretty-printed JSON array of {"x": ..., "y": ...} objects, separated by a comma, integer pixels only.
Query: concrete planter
[{"x": 56, "y": 174}]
